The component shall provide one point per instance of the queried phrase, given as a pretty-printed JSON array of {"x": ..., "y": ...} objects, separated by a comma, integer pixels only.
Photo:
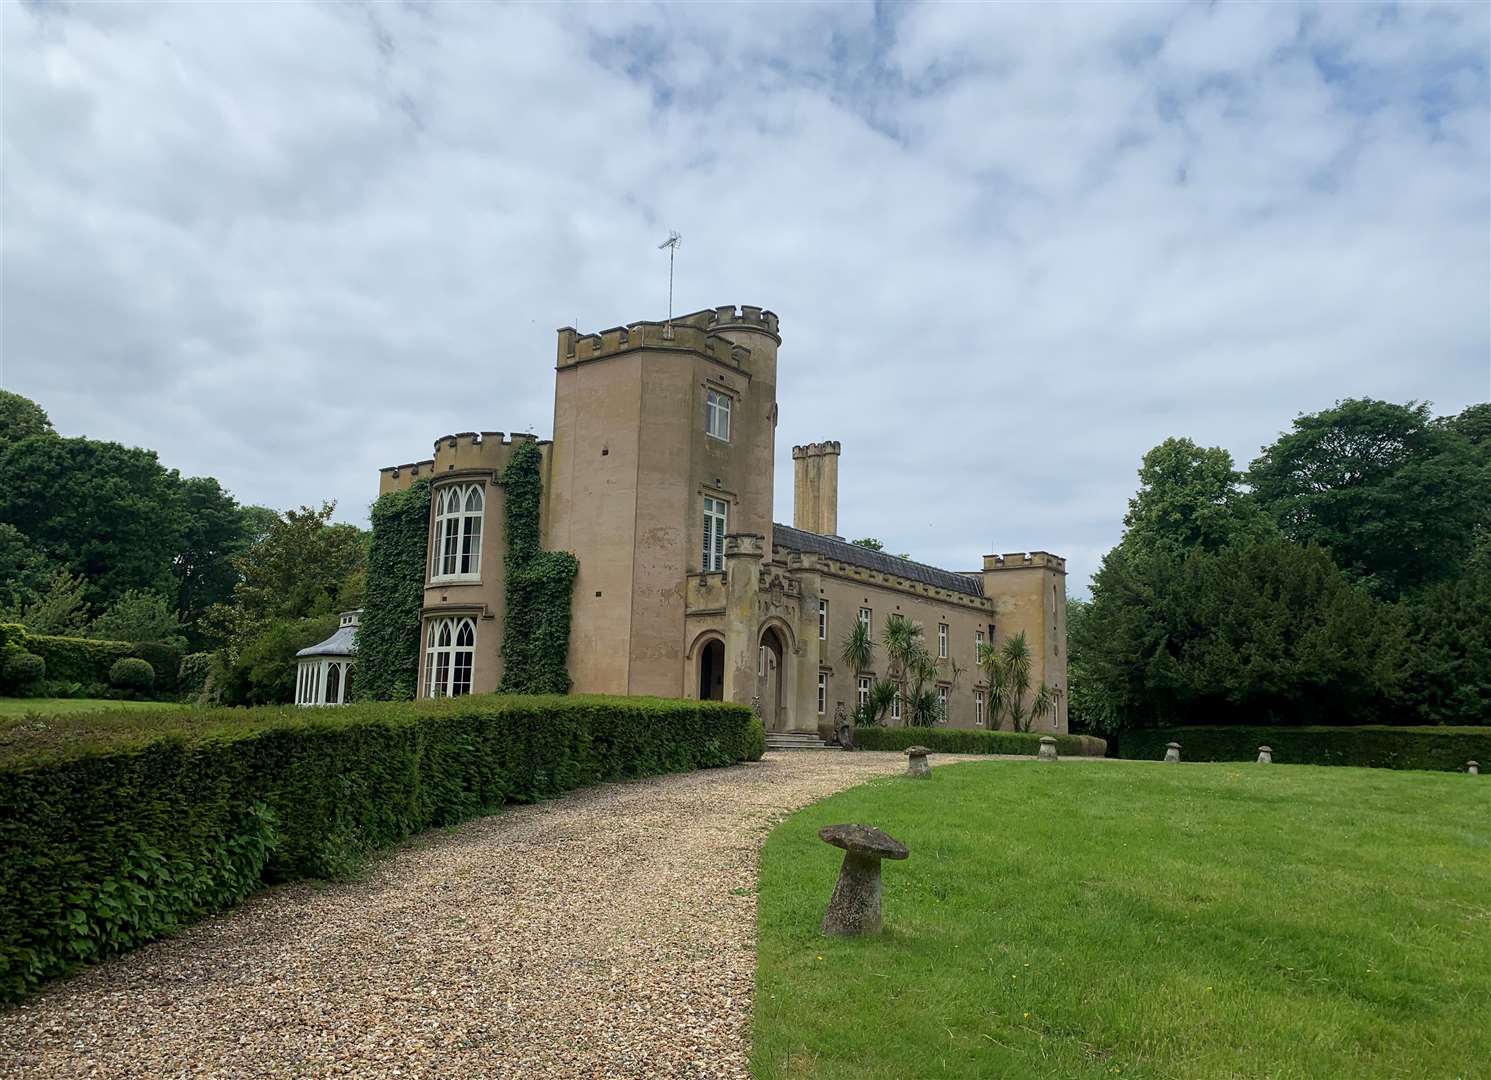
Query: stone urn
[
  {"x": 916, "y": 763},
  {"x": 854, "y": 908}
]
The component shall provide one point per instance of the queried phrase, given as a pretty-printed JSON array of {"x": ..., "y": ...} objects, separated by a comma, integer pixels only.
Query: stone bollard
[
  {"x": 916, "y": 763},
  {"x": 854, "y": 908},
  {"x": 1265, "y": 755},
  {"x": 1048, "y": 749},
  {"x": 1172, "y": 752},
  {"x": 1473, "y": 768}
]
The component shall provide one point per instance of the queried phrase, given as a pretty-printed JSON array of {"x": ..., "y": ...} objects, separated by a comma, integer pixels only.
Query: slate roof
[
  {"x": 342, "y": 643},
  {"x": 785, "y": 536}
]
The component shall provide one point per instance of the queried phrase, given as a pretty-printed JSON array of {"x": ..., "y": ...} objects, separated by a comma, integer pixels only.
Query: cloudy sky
[{"x": 1012, "y": 247}]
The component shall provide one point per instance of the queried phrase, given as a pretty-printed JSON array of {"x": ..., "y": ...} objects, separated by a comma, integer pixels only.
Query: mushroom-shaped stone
[
  {"x": 916, "y": 763},
  {"x": 1473, "y": 768},
  {"x": 1172, "y": 752},
  {"x": 854, "y": 907},
  {"x": 1265, "y": 755},
  {"x": 1048, "y": 748}
]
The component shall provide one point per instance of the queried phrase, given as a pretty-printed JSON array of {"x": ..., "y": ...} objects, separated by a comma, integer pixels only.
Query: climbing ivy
[
  {"x": 540, "y": 584},
  {"x": 388, "y": 635}
]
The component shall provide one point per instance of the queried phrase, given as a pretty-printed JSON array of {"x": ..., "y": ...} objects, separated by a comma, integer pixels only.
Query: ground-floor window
[
  {"x": 942, "y": 704},
  {"x": 450, "y": 650},
  {"x": 978, "y": 708},
  {"x": 822, "y": 692},
  {"x": 864, "y": 691},
  {"x": 895, "y": 706}
]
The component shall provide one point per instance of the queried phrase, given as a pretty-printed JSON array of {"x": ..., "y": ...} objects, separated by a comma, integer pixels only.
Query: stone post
[
  {"x": 916, "y": 763},
  {"x": 1172, "y": 752},
  {"x": 1048, "y": 748},
  {"x": 854, "y": 908},
  {"x": 1265, "y": 755},
  {"x": 1473, "y": 768}
]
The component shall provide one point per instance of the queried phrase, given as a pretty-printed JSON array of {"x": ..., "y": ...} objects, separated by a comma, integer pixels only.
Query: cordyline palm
[
  {"x": 1015, "y": 656},
  {"x": 902, "y": 641},
  {"x": 882, "y": 694},
  {"x": 859, "y": 648},
  {"x": 922, "y": 706}
]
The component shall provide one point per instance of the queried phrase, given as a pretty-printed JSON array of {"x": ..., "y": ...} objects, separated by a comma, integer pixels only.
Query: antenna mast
[{"x": 672, "y": 245}]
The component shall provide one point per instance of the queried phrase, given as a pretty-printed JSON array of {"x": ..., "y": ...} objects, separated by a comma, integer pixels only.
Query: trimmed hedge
[
  {"x": 946, "y": 740},
  {"x": 87, "y": 660},
  {"x": 1371, "y": 746},
  {"x": 119, "y": 827}
]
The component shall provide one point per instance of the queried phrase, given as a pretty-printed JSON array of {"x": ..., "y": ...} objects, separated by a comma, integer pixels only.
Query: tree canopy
[{"x": 21, "y": 418}]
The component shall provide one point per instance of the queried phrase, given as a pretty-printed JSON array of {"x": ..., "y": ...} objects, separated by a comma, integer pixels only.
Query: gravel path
[{"x": 610, "y": 933}]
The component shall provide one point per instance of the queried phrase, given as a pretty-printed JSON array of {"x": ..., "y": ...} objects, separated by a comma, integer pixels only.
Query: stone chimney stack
[{"x": 815, "y": 489}]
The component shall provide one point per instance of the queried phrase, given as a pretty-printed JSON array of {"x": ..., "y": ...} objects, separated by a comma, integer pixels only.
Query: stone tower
[{"x": 664, "y": 435}]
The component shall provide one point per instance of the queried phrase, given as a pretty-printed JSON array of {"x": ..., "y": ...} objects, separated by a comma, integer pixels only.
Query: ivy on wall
[
  {"x": 388, "y": 634},
  {"x": 540, "y": 586}
]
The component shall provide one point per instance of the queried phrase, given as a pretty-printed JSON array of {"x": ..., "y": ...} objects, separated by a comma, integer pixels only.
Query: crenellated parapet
[
  {"x": 697, "y": 333},
  {"x": 1025, "y": 560},
  {"x": 483, "y": 451},
  {"x": 817, "y": 449}
]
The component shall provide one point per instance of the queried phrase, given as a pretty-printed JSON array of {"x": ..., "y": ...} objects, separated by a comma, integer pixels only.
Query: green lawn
[
  {"x": 50, "y": 706},
  {"x": 1132, "y": 919}
]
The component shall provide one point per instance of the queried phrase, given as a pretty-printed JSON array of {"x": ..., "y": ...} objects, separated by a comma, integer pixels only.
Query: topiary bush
[
  {"x": 116, "y": 828},
  {"x": 974, "y": 741},
  {"x": 1369, "y": 746},
  {"x": 132, "y": 673},
  {"x": 21, "y": 670}
]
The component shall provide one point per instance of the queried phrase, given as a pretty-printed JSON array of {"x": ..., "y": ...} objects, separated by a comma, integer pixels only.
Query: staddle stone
[
  {"x": 1172, "y": 752},
  {"x": 916, "y": 763},
  {"x": 854, "y": 907},
  {"x": 1473, "y": 768},
  {"x": 1265, "y": 755},
  {"x": 1048, "y": 748}
]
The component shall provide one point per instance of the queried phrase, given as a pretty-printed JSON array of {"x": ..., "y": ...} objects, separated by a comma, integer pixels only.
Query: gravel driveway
[{"x": 609, "y": 933}]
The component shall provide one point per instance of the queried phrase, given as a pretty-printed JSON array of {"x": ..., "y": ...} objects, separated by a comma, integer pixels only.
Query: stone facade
[{"x": 659, "y": 480}]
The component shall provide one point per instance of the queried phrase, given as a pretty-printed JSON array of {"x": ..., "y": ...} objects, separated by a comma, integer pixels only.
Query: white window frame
[
  {"x": 978, "y": 645},
  {"x": 717, "y": 408},
  {"x": 822, "y": 619},
  {"x": 450, "y": 661},
  {"x": 716, "y": 521},
  {"x": 978, "y": 708},
  {"x": 895, "y": 706},
  {"x": 942, "y": 641},
  {"x": 942, "y": 702},
  {"x": 822, "y": 693},
  {"x": 459, "y": 510},
  {"x": 863, "y": 691},
  {"x": 866, "y": 618}
]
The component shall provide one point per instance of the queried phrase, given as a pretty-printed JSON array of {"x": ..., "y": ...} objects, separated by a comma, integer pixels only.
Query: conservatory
[{"x": 322, "y": 671}]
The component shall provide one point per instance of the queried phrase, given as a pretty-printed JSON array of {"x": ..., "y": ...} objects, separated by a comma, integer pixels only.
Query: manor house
[{"x": 659, "y": 480}]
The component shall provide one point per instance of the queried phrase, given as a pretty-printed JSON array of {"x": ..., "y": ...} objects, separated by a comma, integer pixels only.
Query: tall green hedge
[
  {"x": 1374, "y": 746},
  {"x": 116, "y": 828},
  {"x": 388, "y": 632},
  {"x": 88, "y": 660},
  {"x": 540, "y": 587},
  {"x": 948, "y": 740}
]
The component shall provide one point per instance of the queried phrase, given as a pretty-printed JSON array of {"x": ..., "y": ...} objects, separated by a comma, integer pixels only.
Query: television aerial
[{"x": 674, "y": 239}]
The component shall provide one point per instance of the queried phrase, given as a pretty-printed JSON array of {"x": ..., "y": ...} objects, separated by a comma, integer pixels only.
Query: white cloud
[{"x": 1012, "y": 246}]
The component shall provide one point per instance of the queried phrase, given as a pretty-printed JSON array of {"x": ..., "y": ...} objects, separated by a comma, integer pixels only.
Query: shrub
[
  {"x": 116, "y": 828},
  {"x": 193, "y": 674},
  {"x": 1378, "y": 746},
  {"x": 22, "y": 670},
  {"x": 89, "y": 661},
  {"x": 944, "y": 740},
  {"x": 388, "y": 635},
  {"x": 131, "y": 673}
]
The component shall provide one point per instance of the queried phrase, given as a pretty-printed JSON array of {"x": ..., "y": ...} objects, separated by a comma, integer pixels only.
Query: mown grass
[
  {"x": 10, "y": 707},
  {"x": 1091, "y": 919}
]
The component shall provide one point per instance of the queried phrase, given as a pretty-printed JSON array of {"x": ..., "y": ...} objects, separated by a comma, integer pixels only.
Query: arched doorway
[
  {"x": 712, "y": 670},
  {"x": 771, "y": 675}
]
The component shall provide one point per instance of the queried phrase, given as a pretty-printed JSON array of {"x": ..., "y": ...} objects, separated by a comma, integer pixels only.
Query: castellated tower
[{"x": 664, "y": 435}]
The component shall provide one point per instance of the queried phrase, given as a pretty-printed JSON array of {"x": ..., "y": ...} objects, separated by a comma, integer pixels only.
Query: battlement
[
  {"x": 1025, "y": 560},
  {"x": 817, "y": 449},
  {"x": 751, "y": 545},
  {"x": 697, "y": 332}
]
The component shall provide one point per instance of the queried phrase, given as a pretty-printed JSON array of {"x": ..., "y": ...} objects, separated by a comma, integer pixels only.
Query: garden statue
[
  {"x": 854, "y": 908},
  {"x": 843, "y": 730}
]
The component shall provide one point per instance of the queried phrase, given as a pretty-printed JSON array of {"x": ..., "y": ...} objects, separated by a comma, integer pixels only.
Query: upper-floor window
[
  {"x": 458, "y": 512},
  {"x": 942, "y": 641},
  {"x": 450, "y": 648},
  {"x": 978, "y": 646},
  {"x": 864, "y": 618},
  {"x": 822, "y": 620},
  {"x": 715, "y": 514},
  {"x": 717, "y": 414}
]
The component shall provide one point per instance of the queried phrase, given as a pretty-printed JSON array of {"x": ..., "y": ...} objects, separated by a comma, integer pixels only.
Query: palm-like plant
[
  {"x": 1007, "y": 670},
  {"x": 1044, "y": 702},
  {"x": 882, "y": 694},
  {"x": 1015, "y": 656},
  {"x": 858, "y": 648}
]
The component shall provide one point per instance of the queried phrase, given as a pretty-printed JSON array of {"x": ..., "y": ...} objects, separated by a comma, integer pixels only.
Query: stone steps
[{"x": 796, "y": 740}]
